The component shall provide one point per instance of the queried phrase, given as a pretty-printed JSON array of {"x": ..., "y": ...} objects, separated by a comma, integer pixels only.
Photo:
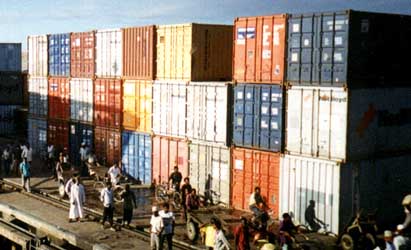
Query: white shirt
[
  {"x": 252, "y": 200},
  {"x": 29, "y": 155},
  {"x": 67, "y": 188},
  {"x": 156, "y": 224},
  {"x": 106, "y": 196},
  {"x": 50, "y": 151},
  {"x": 83, "y": 153},
  {"x": 114, "y": 172},
  {"x": 168, "y": 219},
  {"x": 24, "y": 151}
]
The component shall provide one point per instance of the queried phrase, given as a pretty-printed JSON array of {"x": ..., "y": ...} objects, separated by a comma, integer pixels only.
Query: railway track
[{"x": 91, "y": 213}]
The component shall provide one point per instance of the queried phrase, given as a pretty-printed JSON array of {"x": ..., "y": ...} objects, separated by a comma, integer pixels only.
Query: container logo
[{"x": 245, "y": 33}]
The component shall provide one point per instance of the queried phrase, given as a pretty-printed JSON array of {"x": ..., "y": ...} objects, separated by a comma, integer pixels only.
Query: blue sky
[{"x": 20, "y": 18}]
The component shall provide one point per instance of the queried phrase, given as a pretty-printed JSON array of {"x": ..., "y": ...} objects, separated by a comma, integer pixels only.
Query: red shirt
[{"x": 242, "y": 238}]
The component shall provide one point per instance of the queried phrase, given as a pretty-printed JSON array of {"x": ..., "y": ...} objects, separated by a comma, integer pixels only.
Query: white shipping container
[
  {"x": 109, "y": 52},
  {"x": 169, "y": 108},
  {"x": 341, "y": 189},
  {"x": 210, "y": 170},
  {"x": 343, "y": 125},
  {"x": 38, "y": 96},
  {"x": 207, "y": 111},
  {"x": 81, "y": 102},
  {"x": 38, "y": 55}
]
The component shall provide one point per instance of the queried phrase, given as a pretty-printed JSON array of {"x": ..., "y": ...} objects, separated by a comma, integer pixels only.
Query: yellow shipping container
[
  {"x": 137, "y": 105},
  {"x": 194, "y": 52}
]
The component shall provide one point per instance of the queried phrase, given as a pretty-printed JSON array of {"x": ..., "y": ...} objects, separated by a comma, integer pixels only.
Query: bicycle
[
  {"x": 165, "y": 194},
  {"x": 99, "y": 184}
]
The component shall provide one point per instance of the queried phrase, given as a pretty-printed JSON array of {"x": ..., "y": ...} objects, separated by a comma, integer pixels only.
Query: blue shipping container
[
  {"x": 37, "y": 136},
  {"x": 79, "y": 133},
  {"x": 7, "y": 116},
  {"x": 136, "y": 155},
  {"x": 59, "y": 55},
  {"x": 10, "y": 57},
  {"x": 258, "y": 111}
]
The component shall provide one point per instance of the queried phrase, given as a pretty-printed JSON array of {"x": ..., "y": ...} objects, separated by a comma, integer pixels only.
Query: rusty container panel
[
  {"x": 107, "y": 144},
  {"x": 167, "y": 153},
  {"x": 139, "y": 51},
  {"x": 252, "y": 168},
  {"x": 82, "y": 54},
  {"x": 58, "y": 134},
  {"x": 137, "y": 105},
  {"x": 59, "y": 98},
  {"x": 107, "y": 102},
  {"x": 260, "y": 49},
  {"x": 196, "y": 52}
]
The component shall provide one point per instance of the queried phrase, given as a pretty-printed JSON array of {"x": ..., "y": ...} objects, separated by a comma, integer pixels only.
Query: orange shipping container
[
  {"x": 137, "y": 105},
  {"x": 59, "y": 98},
  {"x": 107, "y": 102},
  {"x": 107, "y": 144},
  {"x": 139, "y": 51},
  {"x": 252, "y": 168},
  {"x": 260, "y": 49},
  {"x": 58, "y": 134},
  {"x": 82, "y": 54},
  {"x": 167, "y": 153}
]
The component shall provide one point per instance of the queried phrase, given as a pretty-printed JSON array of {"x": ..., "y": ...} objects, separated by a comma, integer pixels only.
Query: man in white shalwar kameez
[{"x": 77, "y": 200}]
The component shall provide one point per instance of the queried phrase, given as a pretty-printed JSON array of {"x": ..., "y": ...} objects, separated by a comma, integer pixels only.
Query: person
[
  {"x": 287, "y": 231},
  {"x": 311, "y": 219},
  {"x": 83, "y": 158},
  {"x": 51, "y": 156},
  {"x": 106, "y": 196},
  {"x": 176, "y": 178},
  {"x": 192, "y": 201},
  {"x": 185, "y": 190},
  {"x": 25, "y": 174},
  {"x": 6, "y": 157},
  {"x": 115, "y": 173},
  {"x": 16, "y": 159},
  {"x": 168, "y": 223},
  {"x": 220, "y": 242},
  {"x": 156, "y": 223},
  {"x": 402, "y": 240},
  {"x": 24, "y": 150},
  {"x": 129, "y": 202},
  {"x": 69, "y": 183},
  {"x": 388, "y": 240},
  {"x": 255, "y": 200},
  {"x": 59, "y": 168},
  {"x": 208, "y": 232},
  {"x": 77, "y": 200},
  {"x": 29, "y": 153},
  {"x": 242, "y": 235}
]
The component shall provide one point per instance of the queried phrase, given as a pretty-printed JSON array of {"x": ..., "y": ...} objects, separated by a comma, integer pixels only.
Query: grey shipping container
[
  {"x": 348, "y": 48},
  {"x": 37, "y": 136},
  {"x": 10, "y": 57},
  {"x": 11, "y": 88},
  {"x": 7, "y": 119}
]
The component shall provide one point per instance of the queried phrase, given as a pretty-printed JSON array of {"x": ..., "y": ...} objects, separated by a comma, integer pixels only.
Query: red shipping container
[
  {"x": 82, "y": 54},
  {"x": 59, "y": 98},
  {"x": 252, "y": 168},
  {"x": 108, "y": 102},
  {"x": 139, "y": 52},
  {"x": 167, "y": 153},
  {"x": 260, "y": 49},
  {"x": 58, "y": 134},
  {"x": 107, "y": 144}
]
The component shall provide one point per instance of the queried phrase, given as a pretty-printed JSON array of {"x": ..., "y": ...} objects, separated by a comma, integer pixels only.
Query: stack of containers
[
  {"x": 190, "y": 105},
  {"x": 139, "y": 53},
  {"x": 259, "y": 72},
  {"x": 347, "y": 128},
  {"x": 11, "y": 86}
]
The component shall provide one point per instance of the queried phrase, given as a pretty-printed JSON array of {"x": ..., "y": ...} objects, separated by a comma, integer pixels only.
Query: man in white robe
[{"x": 77, "y": 200}]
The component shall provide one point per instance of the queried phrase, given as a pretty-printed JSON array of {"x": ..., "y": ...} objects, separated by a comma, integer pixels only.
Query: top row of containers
[{"x": 10, "y": 57}]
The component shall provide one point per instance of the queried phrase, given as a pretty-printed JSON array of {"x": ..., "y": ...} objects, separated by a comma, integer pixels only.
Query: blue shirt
[{"x": 25, "y": 169}]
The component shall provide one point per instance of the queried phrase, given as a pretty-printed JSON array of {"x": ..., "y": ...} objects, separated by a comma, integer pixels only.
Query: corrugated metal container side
[
  {"x": 208, "y": 111},
  {"x": 139, "y": 52},
  {"x": 210, "y": 168},
  {"x": 37, "y": 136},
  {"x": 137, "y": 105},
  {"x": 59, "y": 54},
  {"x": 341, "y": 190},
  {"x": 260, "y": 49},
  {"x": 169, "y": 108},
  {"x": 82, "y": 54},
  {"x": 38, "y": 96},
  {"x": 167, "y": 153},
  {"x": 59, "y": 98},
  {"x": 81, "y": 102},
  {"x": 345, "y": 48},
  {"x": 333, "y": 123},
  {"x": 108, "y": 102},
  {"x": 196, "y": 52},
  {"x": 109, "y": 52},
  {"x": 58, "y": 134},
  {"x": 252, "y": 168},
  {"x": 136, "y": 155},
  {"x": 11, "y": 88},
  {"x": 107, "y": 143},
  {"x": 8, "y": 119},
  {"x": 10, "y": 57},
  {"x": 258, "y": 116},
  {"x": 38, "y": 55},
  {"x": 78, "y": 134}
]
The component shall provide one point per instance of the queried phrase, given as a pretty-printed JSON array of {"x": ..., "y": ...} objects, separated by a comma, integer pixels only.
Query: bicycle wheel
[
  {"x": 177, "y": 200},
  {"x": 161, "y": 194},
  {"x": 117, "y": 194},
  {"x": 98, "y": 185}
]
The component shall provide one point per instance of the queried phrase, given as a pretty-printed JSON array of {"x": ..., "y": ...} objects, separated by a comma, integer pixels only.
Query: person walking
[
  {"x": 77, "y": 200},
  {"x": 157, "y": 226},
  {"x": 129, "y": 202},
  {"x": 59, "y": 168},
  {"x": 106, "y": 196},
  {"x": 168, "y": 222},
  {"x": 25, "y": 174},
  {"x": 29, "y": 154},
  {"x": 221, "y": 242},
  {"x": 185, "y": 190},
  {"x": 6, "y": 157},
  {"x": 242, "y": 235},
  {"x": 51, "y": 158},
  {"x": 83, "y": 158},
  {"x": 69, "y": 183}
]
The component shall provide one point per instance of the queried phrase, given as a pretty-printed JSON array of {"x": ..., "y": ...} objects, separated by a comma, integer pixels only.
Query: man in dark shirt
[
  {"x": 176, "y": 178},
  {"x": 185, "y": 190},
  {"x": 287, "y": 230},
  {"x": 310, "y": 217}
]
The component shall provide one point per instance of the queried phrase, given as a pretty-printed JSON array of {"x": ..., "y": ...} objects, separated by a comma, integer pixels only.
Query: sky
[{"x": 20, "y": 18}]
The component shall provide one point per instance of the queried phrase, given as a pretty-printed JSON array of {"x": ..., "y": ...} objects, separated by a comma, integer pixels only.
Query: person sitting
[
  {"x": 115, "y": 172},
  {"x": 287, "y": 231},
  {"x": 192, "y": 200},
  {"x": 175, "y": 179},
  {"x": 255, "y": 200},
  {"x": 311, "y": 219}
]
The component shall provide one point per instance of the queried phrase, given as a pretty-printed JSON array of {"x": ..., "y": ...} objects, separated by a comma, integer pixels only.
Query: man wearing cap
[
  {"x": 404, "y": 229},
  {"x": 157, "y": 226}
]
